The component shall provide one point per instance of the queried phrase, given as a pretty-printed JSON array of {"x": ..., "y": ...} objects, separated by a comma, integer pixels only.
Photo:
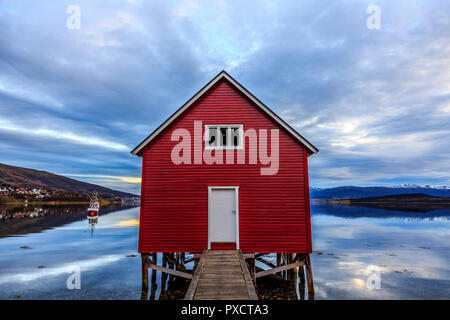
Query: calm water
[{"x": 410, "y": 249}]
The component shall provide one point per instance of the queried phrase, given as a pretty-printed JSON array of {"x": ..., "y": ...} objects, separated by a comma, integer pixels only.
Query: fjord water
[{"x": 411, "y": 251}]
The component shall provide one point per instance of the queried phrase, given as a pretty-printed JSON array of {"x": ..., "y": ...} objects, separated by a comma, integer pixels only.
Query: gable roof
[{"x": 224, "y": 75}]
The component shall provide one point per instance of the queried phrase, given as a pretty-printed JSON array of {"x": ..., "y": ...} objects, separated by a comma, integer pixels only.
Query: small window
[{"x": 224, "y": 136}]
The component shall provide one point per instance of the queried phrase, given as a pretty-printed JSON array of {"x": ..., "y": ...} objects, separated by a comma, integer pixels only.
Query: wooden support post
[
  {"x": 284, "y": 262},
  {"x": 295, "y": 275},
  {"x": 311, "y": 291},
  {"x": 196, "y": 260},
  {"x": 171, "y": 263},
  {"x": 293, "y": 272},
  {"x": 153, "y": 285},
  {"x": 290, "y": 271},
  {"x": 301, "y": 274},
  {"x": 144, "y": 259},
  {"x": 182, "y": 259},
  {"x": 174, "y": 262},
  {"x": 164, "y": 274},
  {"x": 301, "y": 285}
]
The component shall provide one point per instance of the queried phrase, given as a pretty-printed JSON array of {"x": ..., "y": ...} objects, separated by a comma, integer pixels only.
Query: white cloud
[{"x": 63, "y": 135}]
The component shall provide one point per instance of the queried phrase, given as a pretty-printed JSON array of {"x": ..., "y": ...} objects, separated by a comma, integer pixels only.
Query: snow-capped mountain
[{"x": 346, "y": 192}]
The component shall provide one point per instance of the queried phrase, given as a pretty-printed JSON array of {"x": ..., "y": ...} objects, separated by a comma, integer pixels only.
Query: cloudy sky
[{"x": 375, "y": 102}]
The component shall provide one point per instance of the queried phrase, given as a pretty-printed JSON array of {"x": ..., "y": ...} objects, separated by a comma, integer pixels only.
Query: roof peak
[{"x": 211, "y": 83}]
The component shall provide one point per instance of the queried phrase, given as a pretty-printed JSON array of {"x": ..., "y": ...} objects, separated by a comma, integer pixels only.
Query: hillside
[
  {"x": 348, "y": 192},
  {"x": 30, "y": 178}
]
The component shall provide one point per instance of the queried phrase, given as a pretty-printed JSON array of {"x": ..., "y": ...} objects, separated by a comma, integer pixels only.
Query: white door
[{"x": 222, "y": 215}]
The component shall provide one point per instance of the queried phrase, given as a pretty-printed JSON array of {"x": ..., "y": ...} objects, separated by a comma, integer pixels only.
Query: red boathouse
[{"x": 225, "y": 172}]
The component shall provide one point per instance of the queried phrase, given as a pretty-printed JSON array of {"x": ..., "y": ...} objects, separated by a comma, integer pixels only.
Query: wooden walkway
[{"x": 221, "y": 275}]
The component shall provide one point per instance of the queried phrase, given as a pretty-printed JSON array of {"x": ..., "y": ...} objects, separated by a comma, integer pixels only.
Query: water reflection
[
  {"x": 411, "y": 250},
  {"x": 24, "y": 219},
  {"x": 355, "y": 211}
]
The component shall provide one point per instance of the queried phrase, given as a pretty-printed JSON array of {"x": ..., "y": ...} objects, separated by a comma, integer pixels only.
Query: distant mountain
[
  {"x": 30, "y": 178},
  {"x": 348, "y": 192},
  {"x": 402, "y": 202}
]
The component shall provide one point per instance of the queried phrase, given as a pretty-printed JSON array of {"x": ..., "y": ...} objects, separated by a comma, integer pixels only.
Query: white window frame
[{"x": 240, "y": 145}]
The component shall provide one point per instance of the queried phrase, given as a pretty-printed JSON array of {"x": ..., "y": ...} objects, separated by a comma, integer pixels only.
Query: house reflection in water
[
  {"x": 289, "y": 284},
  {"x": 92, "y": 222}
]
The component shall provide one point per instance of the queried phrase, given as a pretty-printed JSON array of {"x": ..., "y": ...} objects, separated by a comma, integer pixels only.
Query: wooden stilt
[
  {"x": 154, "y": 285},
  {"x": 293, "y": 272},
  {"x": 164, "y": 275},
  {"x": 301, "y": 276},
  {"x": 285, "y": 263},
  {"x": 286, "y": 257},
  {"x": 311, "y": 291},
  {"x": 144, "y": 259},
  {"x": 295, "y": 275}
]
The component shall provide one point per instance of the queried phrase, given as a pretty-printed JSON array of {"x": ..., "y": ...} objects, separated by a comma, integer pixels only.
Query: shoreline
[{"x": 54, "y": 202}]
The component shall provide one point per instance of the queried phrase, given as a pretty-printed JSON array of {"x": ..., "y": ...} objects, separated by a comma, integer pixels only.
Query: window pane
[
  {"x": 212, "y": 137},
  {"x": 235, "y": 137},
  {"x": 223, "y": 136}
]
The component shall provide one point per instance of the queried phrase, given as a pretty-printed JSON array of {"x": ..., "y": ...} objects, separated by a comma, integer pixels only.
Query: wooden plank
[
  {"x": 279, "y": 269},
  {"x": 193, "y": 285},
  {"x": 170, "y": 271},
  {"x": 221, "y": 274},
  {"x": 249, "y": 255},
  {"x": 248, "y": 280}
]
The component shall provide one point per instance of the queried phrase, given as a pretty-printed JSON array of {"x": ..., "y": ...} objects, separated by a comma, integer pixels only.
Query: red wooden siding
[
  {"x": 273, "y": 210},
  {"x": 223, "y": 245}
]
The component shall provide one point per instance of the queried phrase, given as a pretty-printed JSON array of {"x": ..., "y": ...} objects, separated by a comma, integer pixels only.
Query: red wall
[{"x": 273, "y": 210}]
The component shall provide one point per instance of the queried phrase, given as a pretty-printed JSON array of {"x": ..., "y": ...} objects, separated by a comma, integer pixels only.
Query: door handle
[{"x": 234, "y": 211}]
